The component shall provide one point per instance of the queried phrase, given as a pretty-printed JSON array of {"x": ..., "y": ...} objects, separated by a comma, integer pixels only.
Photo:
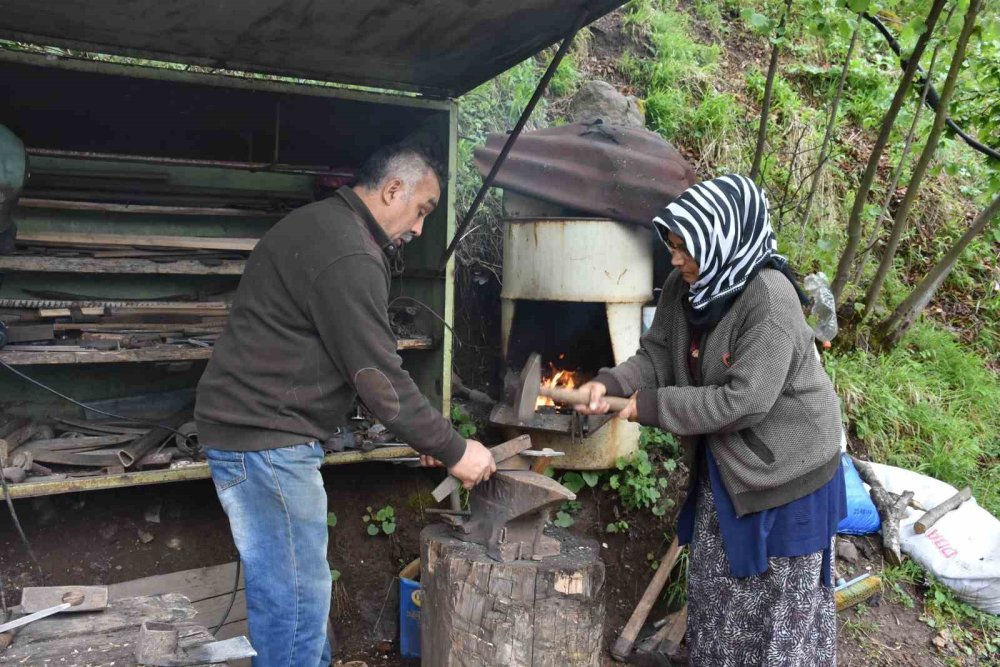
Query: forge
[{"x": 573, "y": 291}]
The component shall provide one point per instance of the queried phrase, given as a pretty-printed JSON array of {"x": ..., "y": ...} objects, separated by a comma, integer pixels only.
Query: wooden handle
[
  {"x": 623, "y": 647},
  {"x": 578, "y": 396}
]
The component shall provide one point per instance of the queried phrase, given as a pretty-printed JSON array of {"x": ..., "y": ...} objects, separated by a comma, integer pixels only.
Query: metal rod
[
  {"x": 188, "y": 162},
  {"x": 515, "y": 133}
]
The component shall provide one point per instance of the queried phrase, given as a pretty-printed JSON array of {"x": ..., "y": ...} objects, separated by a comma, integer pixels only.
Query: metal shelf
[
  {"x": 161, "y": 353},
  {"x": 197, "y": 470}
]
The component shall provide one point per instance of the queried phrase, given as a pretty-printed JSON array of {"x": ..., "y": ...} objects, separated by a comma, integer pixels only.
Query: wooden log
[
  {"x": 136, "y": 240},
  {"x": 890, "y": 510},
  {"x": 13, "y": 434},
  {"x": 925, "y": 522},
  {"x": 478, "y": 611}
]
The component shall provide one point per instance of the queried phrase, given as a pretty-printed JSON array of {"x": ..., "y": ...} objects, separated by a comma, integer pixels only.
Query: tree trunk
[
  {"x": 890, "y": 331},
  {"x": 903, "y": 157},
  {"x": 864, "y": 188},
  {"x": 828, "y": 135},
  {"x": 765, "y": 109},
  {"x": 478, "y": 611},
  {"x": 900, "y": 220}
]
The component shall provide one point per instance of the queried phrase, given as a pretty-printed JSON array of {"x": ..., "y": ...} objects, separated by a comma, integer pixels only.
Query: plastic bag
[
  {"x": 862, "y": 516},
  {"x": 962, "y": 549},
  {"x": 824, "y": 310}
]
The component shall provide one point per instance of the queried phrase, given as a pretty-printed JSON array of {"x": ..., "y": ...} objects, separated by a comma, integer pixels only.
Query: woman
[{"x": 730, "y": 365}]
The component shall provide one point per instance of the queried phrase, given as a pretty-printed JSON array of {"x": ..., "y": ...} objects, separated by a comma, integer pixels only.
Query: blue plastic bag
[{"x": 862, "y": 517}]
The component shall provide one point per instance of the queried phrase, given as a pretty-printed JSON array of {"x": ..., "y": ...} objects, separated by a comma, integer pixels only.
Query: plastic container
[
  {"x": 410, "y": 599},
  {"x": 824, "y": 309}
]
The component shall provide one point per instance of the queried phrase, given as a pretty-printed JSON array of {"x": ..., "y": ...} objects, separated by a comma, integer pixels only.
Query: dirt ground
[{"x": 97, "y": 538}]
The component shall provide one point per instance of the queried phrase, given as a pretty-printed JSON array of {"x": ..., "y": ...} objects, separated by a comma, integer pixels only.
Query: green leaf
[
  {"x": 858, "y": 6},
  {"x": 614, "y": 482},
  {"x": 573, "y": 481},
  {"x": 670, "y": 465},
  {"x": 611, "y": 528},
  {"x": 372, "y": 529},
  {"x": 563, "y": 520},
  {"x": 658, "y": 510},
  {"x": 366, "y": 518},
  {"x": 335, "y": 575},
  {"x": 331, "y": 519},
  {"x": 591, "y": 478},
  {"x": 388, "y": 527}
]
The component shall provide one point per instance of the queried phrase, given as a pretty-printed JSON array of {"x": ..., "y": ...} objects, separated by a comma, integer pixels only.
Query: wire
[
  {"x": 17, "y": 524},
  {"x": 90, "y": 408},
  {"x": 232, "y": 598},
  {"x": 431, "y": 311}
]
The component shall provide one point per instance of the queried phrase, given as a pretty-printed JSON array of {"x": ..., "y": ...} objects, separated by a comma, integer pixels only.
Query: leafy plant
[
  {"x": 575, "y": 481},
  {"x": 335, "y": 575},
  {"x": 620, "y": 526},
  {"x": 564, "y": 517},
  {"x": 463, "y": 422},
  {"x": 331, "y": 519},
  {"x": 382, "y": 521}
]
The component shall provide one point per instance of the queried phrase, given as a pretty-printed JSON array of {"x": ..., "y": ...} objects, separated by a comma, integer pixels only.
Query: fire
[{"x": 557, "y": 378}]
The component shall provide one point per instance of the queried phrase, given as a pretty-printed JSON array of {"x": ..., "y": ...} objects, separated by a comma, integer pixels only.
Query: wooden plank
[
  {"x": 163, "y": 353},
  {"x": 37, "y": 355},
  {"x": 134, "y": 326},
  {"x": 101, "y": 638},
  {"x": 137, "y": 240},
  {"x": 68, "y": 205},
  {"x": 196, "y": 585},
  {"x": 43, "y": 264},
  {"x": 29, "y": 332},
  {"x": 210, "y": 611},
  {"x": 196, "y": 470}
]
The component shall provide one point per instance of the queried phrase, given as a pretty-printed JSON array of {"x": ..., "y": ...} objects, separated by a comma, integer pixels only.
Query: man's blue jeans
[{"x": 277, "y": 511}]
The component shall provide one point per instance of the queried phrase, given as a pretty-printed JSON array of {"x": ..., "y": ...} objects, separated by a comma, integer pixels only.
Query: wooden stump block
[{"x": 478, "y": 611}]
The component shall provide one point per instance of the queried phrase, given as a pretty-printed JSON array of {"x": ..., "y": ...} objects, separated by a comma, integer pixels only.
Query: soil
[{"x": 94, "y": 538}]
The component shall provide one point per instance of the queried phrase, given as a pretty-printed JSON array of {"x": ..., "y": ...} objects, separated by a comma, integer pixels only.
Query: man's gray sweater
[
  {"x": 309, "y": 331},
  {"x": 764, "y": 404}
]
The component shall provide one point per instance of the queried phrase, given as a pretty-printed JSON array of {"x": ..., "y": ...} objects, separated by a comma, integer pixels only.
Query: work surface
[{"x": 102, "y": 638}]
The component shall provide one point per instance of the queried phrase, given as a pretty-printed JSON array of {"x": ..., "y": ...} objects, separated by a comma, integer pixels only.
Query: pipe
[{"x": 515, "y": 133}]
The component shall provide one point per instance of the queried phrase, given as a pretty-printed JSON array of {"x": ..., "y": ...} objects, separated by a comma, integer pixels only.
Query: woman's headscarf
[{"x": 726, "y": 227}]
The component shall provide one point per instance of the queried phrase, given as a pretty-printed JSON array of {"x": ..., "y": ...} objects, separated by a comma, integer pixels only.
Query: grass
[{"x": 929, "y": 406}]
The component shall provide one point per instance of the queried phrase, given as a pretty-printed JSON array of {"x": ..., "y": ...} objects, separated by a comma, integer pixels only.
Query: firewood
[
  {"x": 925, "y": 522},
  {"x": 891, "y": 509}
]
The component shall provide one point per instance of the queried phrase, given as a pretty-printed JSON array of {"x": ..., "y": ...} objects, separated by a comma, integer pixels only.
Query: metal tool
[
  {"x": 531, "y": 388},
  {"x": 158, "y": 646},
  {"x": 501, "y": 452},
  {"x": 509, "y": 512},
  {"x": 41, "y": 602}
]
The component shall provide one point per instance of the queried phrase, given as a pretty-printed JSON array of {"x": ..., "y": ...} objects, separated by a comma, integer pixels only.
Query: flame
[{"x": 557, "y": 378}]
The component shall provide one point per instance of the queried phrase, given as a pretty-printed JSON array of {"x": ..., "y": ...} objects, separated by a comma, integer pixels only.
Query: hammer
[{"x": 530, "y": 388}]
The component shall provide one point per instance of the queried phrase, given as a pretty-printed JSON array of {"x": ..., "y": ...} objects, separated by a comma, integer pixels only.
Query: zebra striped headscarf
[{"x": 726, "y": 227}]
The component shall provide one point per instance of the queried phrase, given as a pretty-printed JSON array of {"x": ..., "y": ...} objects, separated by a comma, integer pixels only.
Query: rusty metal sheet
[
  {"x": 613, "y": 172},
  {"x": 440, "y": 47}
]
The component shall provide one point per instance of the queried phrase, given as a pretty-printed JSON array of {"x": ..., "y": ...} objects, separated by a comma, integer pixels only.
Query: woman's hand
[
  {"x": 631, "y": 411},
  {"x": 596, "y": 405}
]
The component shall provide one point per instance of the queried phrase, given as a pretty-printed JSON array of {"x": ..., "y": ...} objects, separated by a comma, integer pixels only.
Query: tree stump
[{"x": 478, "y": 611}]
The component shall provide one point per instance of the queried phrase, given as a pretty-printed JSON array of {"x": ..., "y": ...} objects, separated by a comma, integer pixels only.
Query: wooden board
[
  {"x": 66, "y": 205},
  {"x": 103, "y": 637},
  {"x": 161, "y": 353},
  {"x": 44, "y": 264},
  {"x": 137, "y": 241}
]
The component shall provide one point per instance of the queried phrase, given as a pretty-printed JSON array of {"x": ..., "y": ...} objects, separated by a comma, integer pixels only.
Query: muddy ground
[{"x": 98, "y": 538}]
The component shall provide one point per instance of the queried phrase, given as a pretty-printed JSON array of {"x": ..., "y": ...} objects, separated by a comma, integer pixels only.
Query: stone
[
  {"x": 599, "y": 99},
  {"x": 846, "y": 551},
  {"x": 145, "y": 537}
]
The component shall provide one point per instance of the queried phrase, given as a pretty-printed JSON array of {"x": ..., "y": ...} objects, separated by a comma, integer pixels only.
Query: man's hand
[
  {"x": 596, "y": 405},
  {"x": 475, "y": 466}
]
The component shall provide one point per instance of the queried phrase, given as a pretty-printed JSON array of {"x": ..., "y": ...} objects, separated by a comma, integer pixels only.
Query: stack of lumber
[
  {"x": 132, "y": 246},
  {"x": 80, "y": 326}
]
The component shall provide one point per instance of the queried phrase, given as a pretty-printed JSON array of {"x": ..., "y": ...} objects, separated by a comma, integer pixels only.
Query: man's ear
[{"x": 392, "y": 189}]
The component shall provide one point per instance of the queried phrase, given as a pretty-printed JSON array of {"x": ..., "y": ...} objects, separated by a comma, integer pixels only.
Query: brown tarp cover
[{"x": 613, "y": 172}]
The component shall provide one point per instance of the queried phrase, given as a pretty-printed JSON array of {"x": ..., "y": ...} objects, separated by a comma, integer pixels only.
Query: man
[{"x": 309, "y": 331}]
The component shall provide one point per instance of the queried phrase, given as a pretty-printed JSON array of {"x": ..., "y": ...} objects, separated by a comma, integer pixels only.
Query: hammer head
[{"x": 530, "y": 384}]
